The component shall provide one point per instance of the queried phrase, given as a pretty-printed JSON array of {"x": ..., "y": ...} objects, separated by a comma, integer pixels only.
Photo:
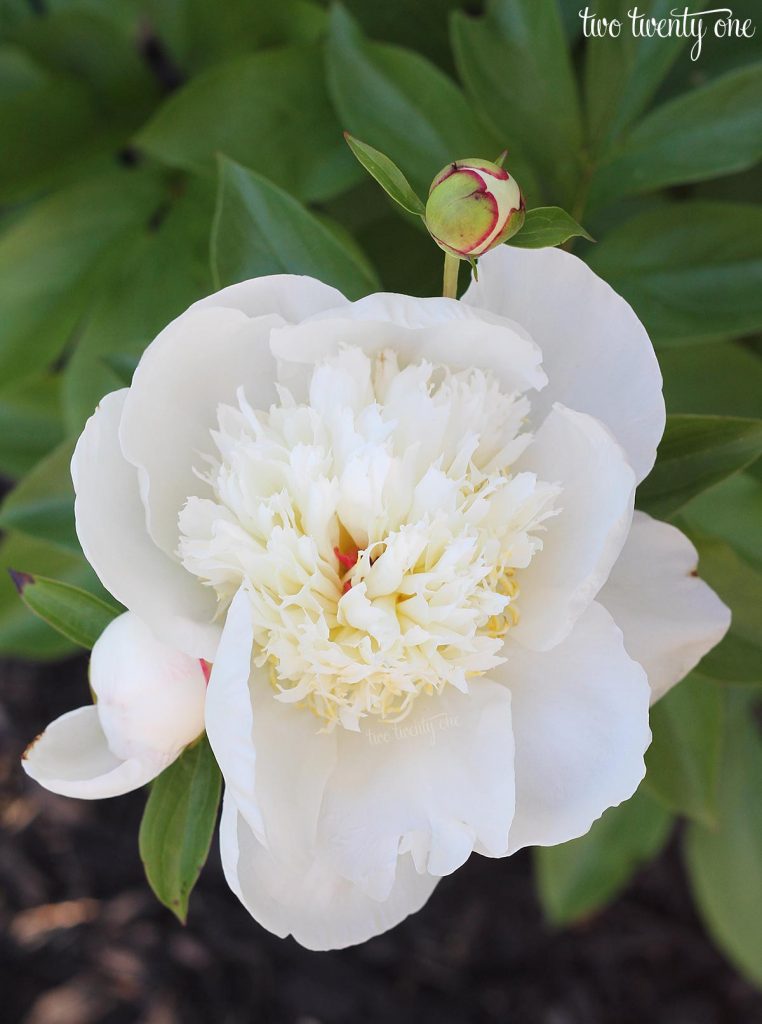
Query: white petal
[
  {"x": 595, "y": 351},
  {"x": 265, "y": 748},
  {"x": 580, "y": 725},
  {"x": 150, "y": 695},
  {"x": 196, "y": 363},
  {"x": 229, "y": 714},
  {"x": 670, "y": 618},
  {"x": 444, "y": 774},
  {"x": 583, "y": 541},
  {"x": 441, "y": 331},
  {"x": 73, "y": 758},
  {"x": 111, "y": 528},
  {"x": 305, "y": 897},
  {"x": 292, "y": 296}
]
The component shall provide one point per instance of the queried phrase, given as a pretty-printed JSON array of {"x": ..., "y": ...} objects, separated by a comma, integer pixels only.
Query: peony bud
[
  {"x": 473, "y": 206},
  {"x": 150, "y": 697},
  {"x": 150, "y": 705}
]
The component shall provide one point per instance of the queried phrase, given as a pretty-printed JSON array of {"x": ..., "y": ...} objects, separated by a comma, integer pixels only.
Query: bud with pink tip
[{"x": 473, "y": 206}]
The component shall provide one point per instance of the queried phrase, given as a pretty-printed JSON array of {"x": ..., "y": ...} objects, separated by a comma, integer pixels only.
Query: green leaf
[
  {"x": 71, "y": 611},
  {"x": 713, "y": 130},
  {"x": 691, "y": 270},
  {"x": 48, "y": 122},
  {"x": 260, "y": 229},
  {"x": 199, "y": 34},
  {"x": 140, "y": 297},
  {"x": 422, "y": 26},
  {"x": 723, "y": 379},
  {"x": 731, "y": 510},
  {"x": 547, "y": 225},
  {"x": 695, "y": 453},
  {"x": 177, "y": 826},
  {"x": 30, "y": 423},
  {"x": 578, "y": 878},
  {"x": 402, "y": 104},
  {"x": 122, "y": 365},
  {"x": 725, "y": 863},
  {"x": 684, "y": 757},
  {"x": 23, "y": 634},
  {"x": 404, "y": 257},
  {"x": 54, "y": 258},
  {"x": 517, "y": 70},
  {"x": 387, "y": 174},
  {"x": 622, "y": 74},
  {"x": 96, "y": 51},
  {"x": 42, "y": 504},
  {"x": 269, "y": 111},
  {"x": 738, "y": 658}
]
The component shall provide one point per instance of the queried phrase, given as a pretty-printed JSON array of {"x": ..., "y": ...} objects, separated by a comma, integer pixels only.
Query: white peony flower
[
  {"x": 402, "y": 531},
  {"x": 149, "y": 705}
]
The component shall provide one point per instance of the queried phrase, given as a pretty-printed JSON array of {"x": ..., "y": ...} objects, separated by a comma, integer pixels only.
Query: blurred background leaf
[
  {"x": 270, "y": 111},
  {"x": 578, "y": 878},
  {"x": 260, "y": 229},
  {"x": 683, "y": 761},
  {"x": 725, "y": 863}
]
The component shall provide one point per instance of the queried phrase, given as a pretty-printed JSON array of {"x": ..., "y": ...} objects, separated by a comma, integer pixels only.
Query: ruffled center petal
[{"x": 378, "y": 529}]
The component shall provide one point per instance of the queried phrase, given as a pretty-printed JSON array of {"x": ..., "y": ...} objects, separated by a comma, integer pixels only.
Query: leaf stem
[{"x": 450, "y": 280}]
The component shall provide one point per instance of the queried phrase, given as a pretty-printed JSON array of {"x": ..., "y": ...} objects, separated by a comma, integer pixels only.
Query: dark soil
[{"x": 82, "y": 941}]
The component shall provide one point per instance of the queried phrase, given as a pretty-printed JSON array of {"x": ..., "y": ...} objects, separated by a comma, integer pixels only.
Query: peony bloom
[
  {"x": 149, "y": 707},
  {"x": 473, "y": 206},
  {"x": 402, "y": 531}
]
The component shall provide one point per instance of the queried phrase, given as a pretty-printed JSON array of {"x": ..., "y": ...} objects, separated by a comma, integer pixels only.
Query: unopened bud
[{"x": 473, "y": 206}]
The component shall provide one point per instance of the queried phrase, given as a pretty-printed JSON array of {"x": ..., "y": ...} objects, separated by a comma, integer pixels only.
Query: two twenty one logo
[
  {"x": 685, "y": 24},
  {"x": 426, "y": 729}
]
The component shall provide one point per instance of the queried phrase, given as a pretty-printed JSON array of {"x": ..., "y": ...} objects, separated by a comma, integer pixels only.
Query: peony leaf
[
  {"x": 260, "y": 229},
  {"x": 178, "y": 823},
  {"x": 268, "y": 110},
  {"x": 725, "y": 863},
  {"x": 710, "y": 131},
  {"x": 719, "y": 378},
  {"x": 30, "y": 423},
  {"x": 579, "y": 877},
  {"x": 199, "y": 34},
  {"x": 695, "y": 453},
  {"x": 733, "y": 511},
  {"x": 42, "y": 504},
  {"x": 738, "y": 658},
  {"x": 68, "y": 240},
  {"x": 140, "y": 298},
  {"x": 515, "y": 43},
  {"x": 387, "y": 174},
  {"x": 691, "y": 270},
  {"x": 546, "y": 226},
  {"x": 684, "y": 757},
  {"x": 22, "y": 634},
  {"x": 623, "y": 73},
  {"x": 71, "y": 611},
  {"x": 405, "y": 105}
]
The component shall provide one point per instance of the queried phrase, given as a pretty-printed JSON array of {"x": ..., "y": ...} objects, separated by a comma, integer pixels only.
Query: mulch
[{"x": 83, "y": 942}]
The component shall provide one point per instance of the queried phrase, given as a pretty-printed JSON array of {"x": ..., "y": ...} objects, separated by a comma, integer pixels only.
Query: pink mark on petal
[
  {"x": 347, "y": 561},
  {"x": 206, "y": 668}
]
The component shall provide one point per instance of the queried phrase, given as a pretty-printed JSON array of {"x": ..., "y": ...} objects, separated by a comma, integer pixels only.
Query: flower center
[{"x": 378, "y": 529}]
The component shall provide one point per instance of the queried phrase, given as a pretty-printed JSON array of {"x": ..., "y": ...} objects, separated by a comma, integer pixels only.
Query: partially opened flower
[
  {"x": 149, "y": 705},
  {"x": 402, "y": 531}
]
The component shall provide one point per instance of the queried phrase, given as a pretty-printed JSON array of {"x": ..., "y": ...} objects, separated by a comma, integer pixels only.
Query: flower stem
[{"x": 450, "y": 282}]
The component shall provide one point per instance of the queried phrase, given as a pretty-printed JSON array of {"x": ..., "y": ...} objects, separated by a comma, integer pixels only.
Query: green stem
[{"x": 450, "y": 281}]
